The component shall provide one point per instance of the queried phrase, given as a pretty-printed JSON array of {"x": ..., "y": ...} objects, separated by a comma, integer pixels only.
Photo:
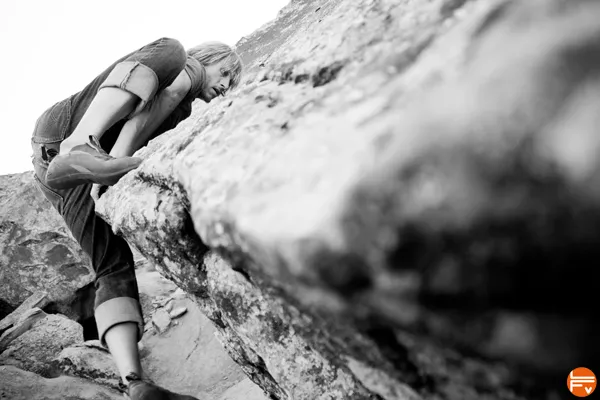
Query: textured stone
[
  {"x": 169, "y": 307},
  {"x": 277, "y": 334},
  {"x": 188, "y": 359},
  {"x": 38, "y": 252},
  {"x": 16, "y": 384},
  {"x": 246, "y": 390},
  {"x": 389, "y": 171},
  {"x": 36, "y": 349},
  {"x": 22, "y": 325},
  {"x": 161, "y": 320},
  {"x": 36, "y": 300},
  {"x": 89, "y": 362}
]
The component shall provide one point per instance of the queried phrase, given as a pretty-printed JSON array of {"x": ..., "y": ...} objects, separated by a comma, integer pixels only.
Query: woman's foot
[
  {"x": 137, "y": 389},
  {"x": 88, "y": 163}
]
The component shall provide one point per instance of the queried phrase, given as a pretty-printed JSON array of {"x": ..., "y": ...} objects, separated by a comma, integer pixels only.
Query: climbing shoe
[
  {"x": 138, "y": 389},
  {"x": 88, "y": 163}
]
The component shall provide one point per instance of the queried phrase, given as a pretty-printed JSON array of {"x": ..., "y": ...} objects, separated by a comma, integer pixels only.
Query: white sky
[{"x": 50, "y": 49}]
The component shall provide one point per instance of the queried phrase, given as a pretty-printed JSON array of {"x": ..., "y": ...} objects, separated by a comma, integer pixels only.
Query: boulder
[
  {"x": 246, "y": 390},
  {"x": 398, "y": 193},
  {"x": 36, "y": 300},
  {"x": 16, "y": 384},
  {"x": 188, "y": 358},
  {"x": 161, "y": 320},
  {"x": 89, "y": 360},
  {"x": 26, "y": 321},
  {"x": 36, "y": 349},
  {"x": 38, "y": 251}
]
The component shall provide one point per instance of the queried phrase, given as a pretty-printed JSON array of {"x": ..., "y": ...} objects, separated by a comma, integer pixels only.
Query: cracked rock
[{"x": 161, "y": 320}]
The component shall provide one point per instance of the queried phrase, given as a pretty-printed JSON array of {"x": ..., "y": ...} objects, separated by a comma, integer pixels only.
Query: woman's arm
[{"x": 138, "y": 129}]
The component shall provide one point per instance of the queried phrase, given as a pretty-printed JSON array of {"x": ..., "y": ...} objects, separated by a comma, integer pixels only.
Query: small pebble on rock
[
  {"x": 161, "y": 320},
  {"x": 178, "y": 312}
]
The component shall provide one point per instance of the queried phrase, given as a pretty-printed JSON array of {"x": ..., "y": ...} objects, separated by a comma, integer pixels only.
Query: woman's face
[{"x": 217, "y": 81}]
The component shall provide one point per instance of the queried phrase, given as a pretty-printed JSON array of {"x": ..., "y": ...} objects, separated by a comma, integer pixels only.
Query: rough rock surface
[
  {"x": 246, "y": 390},
  {"x": 22, "y": 325},
  {"x": 38, "y": 252},
  {"x": 188, "y": 358},
  {"x": 391, "y": 171},
  {"x": 36, "y": 300},
  {"x": 88, "y": 361},
  {"x": 36, "y": 349},
  {"x": 16, "y": 384}
]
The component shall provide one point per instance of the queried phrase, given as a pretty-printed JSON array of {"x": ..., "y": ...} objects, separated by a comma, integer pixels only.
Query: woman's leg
[
  {"x": 121, "y": 341},
  {"x": 128, "y": 87},
  {"x": 131, "y": 84},
  {"x": 117, "y": 310},
  {"x": 110, "y": 105}
]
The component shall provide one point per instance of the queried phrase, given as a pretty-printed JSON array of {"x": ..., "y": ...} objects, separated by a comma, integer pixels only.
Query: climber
[{"x": 86, "y": 142}]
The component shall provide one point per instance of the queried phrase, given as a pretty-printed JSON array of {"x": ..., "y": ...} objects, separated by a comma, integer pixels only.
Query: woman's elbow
[{"x": 180, "y": 87}]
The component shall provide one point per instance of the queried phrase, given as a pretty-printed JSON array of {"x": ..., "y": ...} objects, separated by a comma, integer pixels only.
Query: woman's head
[{"x": 223, "y": 67}]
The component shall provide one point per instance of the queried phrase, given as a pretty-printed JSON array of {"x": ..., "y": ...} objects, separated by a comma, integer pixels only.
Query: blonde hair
[{"x": 213, "y": 52}]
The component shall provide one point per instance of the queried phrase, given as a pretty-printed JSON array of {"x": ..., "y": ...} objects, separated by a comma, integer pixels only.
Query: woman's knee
[
  {"x": 148, "y": 70},
  {"x": 172, "y": 45},
  {"x": 167, "y": 59},
  {"x": 173, "y": 49}
]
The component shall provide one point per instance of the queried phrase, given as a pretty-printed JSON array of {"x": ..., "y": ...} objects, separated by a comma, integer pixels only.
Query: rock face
[
  {"x": 38, "y": 300},
  {"x": 91, "y": 362},
  {"x": 38, "y": 252},
  {"x": 26, "y": 322},
  {"x": 188, "y": 358},
  {"x": 16, "y": 384},
  {"x": 390, "y": 172},
  {"x": 36, "y": 349}
]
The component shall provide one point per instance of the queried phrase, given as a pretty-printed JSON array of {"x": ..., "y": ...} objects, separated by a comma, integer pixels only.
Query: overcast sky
[{"x": 53, "y": 48}]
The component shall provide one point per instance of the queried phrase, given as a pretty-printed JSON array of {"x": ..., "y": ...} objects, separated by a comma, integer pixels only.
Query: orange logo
[{"x": 581, "y": 382}]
